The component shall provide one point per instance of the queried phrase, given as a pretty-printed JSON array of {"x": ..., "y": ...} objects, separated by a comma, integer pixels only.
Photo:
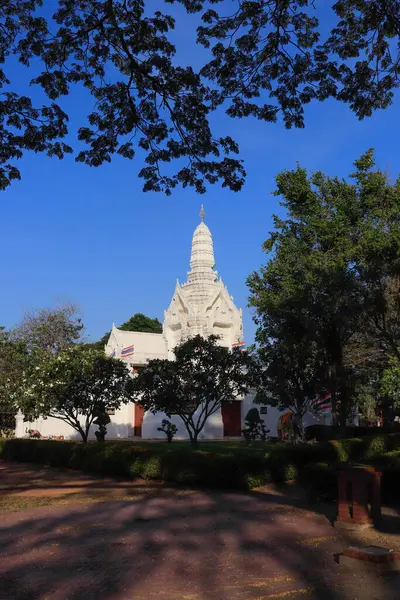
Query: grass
[{"x": 260, "y": 448}]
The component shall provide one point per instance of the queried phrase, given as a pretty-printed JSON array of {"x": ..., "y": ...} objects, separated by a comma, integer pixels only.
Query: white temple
[{"x": 202, "y": 305}]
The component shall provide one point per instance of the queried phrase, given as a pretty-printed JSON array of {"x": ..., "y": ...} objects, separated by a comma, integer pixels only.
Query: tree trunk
[
  {"x": 84, "y": 436},
  {"x": 300, "y": 425},
  {"x": 193, "y": 438},
  {"x": 192, "y": 432},
  {"x": 345, "y": 397}
]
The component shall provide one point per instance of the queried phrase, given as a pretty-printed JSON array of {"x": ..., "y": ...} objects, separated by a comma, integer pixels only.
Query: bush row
[
  {"x": 369, "y": 450},
  {"x": 323, "y": 433},
  {"x": 209, "y": 469},
  {"x": 313, "y": 465}
]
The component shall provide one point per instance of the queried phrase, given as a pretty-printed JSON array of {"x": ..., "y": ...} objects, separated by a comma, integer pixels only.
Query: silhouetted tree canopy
[{"x": 266, "y": 59}]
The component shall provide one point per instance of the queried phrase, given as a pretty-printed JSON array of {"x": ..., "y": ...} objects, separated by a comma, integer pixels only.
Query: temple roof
[{"x": 146, "y": 345}]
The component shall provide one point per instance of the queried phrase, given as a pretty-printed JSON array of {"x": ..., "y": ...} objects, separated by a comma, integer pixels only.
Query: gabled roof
[{"x": 146, "y": 345}]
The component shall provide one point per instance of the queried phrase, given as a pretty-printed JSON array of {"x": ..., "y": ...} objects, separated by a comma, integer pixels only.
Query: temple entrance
[
  {"x": 138, "y": 414},
  {"x": 232, "y": 418}
]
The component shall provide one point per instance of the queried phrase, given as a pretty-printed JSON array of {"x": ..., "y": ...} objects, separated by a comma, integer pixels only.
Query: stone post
[{"x": 359, "y": 503}]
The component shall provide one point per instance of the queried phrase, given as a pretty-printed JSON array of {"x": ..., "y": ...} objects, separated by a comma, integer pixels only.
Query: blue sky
[{"x": 92, "y": 237}]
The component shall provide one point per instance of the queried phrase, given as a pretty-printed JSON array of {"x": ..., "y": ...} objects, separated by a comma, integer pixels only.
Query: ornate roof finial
[{"x": 202, "y": 213}]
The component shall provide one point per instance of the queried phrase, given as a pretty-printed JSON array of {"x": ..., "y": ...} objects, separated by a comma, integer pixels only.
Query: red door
[
  {"x": 138, "y": 413},
  {"x": 232, "y": 418}
]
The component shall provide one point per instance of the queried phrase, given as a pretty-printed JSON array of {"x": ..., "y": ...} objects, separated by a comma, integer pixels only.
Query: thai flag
[
  {"x": 128, "y": 351},
  {"x": 323, "y": 403},
  {"x": 240, "y": 345}
]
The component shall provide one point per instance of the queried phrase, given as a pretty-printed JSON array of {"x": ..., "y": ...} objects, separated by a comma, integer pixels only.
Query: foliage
[
  {"x": 367, "y": 396},
  {"x": 314, "y": 466},
  {"x": 169, "y": 429},
  {"x": 142, "y": 99},
  {"x": 331, "y": 260},
  {"x": 170, "y": 463},
  {"x": 50, "y": 330},
  {"x": 193, "y": 386},
  {"x": 268, "y": 60},
  {"x": 138, "y": 322},
  {"x": 390, "y": 382},
  {"x": 277, "y": 50},
  {"x": 255, "y": 428},
  {"x": 13, "y": 356},
  {"x": 74, "y": 387},
  {"x": 45, "y": 332},
  {"x": 291, "y": 365},
  {"x": 320, "y": 481}
]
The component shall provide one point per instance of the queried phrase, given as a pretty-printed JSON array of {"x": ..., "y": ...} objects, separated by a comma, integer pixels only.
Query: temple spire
[
  {"x": 202, "y": 213},
  {"x": 202, "y": 256}
]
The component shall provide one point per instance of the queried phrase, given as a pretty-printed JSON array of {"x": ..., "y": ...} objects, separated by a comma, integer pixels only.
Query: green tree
[
  {"x": 75, "y": 386},
  {"x": 194, "y": 385},
  {"x": 292, "y": 370},
  {"x": 268, "y": 60},
  {"x": 390, "y": 382},
  {"x": 368, "y": 395},
  {"x": 13, "y": 357},
  {"x": 139, "y": 322},
  {"x": 331, "y": 260},
  {"x": 50, "y": 330}
]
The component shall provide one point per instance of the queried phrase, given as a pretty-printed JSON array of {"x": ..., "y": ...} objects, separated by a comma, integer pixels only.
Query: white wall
[
  {"x": 270, "y": 419},
  {"x": 213, "y": 428},
  {"x": 121, "y": 426},
  {"x": 122, "y": 422}
]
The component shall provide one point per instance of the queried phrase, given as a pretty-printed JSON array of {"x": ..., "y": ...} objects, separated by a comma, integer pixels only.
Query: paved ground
[{"x": 65, "y": 536}]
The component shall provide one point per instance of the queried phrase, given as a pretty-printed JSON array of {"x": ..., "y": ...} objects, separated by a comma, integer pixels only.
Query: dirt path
[{"x": 101, "y": 539}]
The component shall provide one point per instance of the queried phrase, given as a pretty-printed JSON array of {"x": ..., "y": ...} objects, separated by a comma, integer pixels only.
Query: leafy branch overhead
[{"x": 262, "y": 59}]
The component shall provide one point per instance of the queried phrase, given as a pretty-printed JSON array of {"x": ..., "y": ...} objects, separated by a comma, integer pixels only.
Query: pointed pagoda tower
[{"x": 202, "y": 305}]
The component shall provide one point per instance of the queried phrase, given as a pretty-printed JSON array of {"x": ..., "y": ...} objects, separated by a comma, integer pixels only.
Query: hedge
[
  {"x": 323, "y": 433},
  {"x": 313, "y": 465},
  {"x": 127, "y": 459}
]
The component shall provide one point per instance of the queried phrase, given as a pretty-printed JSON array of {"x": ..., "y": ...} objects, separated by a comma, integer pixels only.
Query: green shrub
[
  {"x": 2, "y": 447},
  {"x": 313, "y": 465},
  {"x": 390, "y": 459},
  {"x": 255, "y": 481},
  {"x": 347, "y": 450},
  {"x": 393, "y": 441},
  {"x": 152, "y": 468},
  {"x": 320, "y": 481},
  {"x": 321, "y": 433},
  {"x": 374, "y": 446}
]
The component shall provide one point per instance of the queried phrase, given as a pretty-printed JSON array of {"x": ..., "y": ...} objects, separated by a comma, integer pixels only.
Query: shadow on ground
[{"x": 174, "y": 543}]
